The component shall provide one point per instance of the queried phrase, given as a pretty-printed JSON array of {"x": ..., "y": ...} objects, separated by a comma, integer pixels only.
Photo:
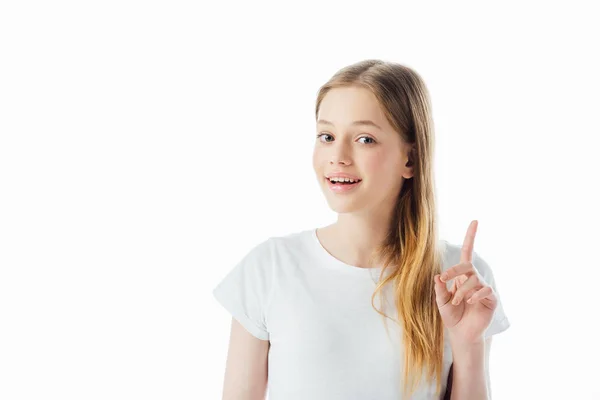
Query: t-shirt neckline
[{"x": 334, "y": 263}]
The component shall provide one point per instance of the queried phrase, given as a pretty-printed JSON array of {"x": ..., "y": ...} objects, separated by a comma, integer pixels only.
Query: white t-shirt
[{"x": 327, "y": 341}]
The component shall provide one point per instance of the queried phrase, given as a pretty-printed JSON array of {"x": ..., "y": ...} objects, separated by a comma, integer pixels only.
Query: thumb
[{"x": 442, "y": 294}]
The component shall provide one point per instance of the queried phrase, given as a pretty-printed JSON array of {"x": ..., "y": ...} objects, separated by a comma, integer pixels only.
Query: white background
[{"x": 146, "y": 146}]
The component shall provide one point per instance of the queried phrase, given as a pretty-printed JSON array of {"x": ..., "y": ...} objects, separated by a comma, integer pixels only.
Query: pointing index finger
[{"x": 466, "y": 254}]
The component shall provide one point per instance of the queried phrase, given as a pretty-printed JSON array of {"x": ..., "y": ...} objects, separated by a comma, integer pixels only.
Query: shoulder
[
  {"x": 258, "y": 256},
  {"x": 277, "y": 250},
  {"x": 295, "y": 245}
]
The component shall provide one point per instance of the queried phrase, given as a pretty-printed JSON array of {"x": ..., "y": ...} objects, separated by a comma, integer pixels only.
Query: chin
[{"x": 341, "y": 206}]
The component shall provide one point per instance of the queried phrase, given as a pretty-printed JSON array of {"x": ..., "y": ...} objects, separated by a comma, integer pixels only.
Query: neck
[{"x": 352, "y": 238}]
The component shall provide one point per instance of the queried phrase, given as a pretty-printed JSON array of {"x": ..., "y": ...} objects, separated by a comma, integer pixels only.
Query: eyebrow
[{"x": 360, "y": 122}]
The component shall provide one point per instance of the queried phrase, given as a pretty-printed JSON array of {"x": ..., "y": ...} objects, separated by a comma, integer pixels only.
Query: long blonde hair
[{"x": 410, "y": 249}]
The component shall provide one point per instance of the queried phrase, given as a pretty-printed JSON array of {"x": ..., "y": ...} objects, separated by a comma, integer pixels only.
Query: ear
[{"x": 410, "y": 164}]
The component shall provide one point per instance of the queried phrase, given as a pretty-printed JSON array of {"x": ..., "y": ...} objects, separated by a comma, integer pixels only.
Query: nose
[
  {"x": 340, "y": 162},
  {"x": 339, "y": 156}
]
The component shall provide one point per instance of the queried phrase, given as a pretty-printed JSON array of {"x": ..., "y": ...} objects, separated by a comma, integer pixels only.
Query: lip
[
  {"x": 342, "y": 175},
  {"x": 341, "y": 188}
]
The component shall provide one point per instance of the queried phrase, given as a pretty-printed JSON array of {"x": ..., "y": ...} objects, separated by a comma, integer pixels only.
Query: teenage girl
[{"x": 304, "y": 322}]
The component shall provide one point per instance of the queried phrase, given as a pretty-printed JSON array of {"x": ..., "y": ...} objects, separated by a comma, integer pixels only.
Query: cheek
[
  {"x": 375, "y": 164},
  {"x": 382, "y": 169},
  {"x": 316, "y": 160}
]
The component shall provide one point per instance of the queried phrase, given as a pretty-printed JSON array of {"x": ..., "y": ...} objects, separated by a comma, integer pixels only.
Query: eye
[
  {"x": 322, "y": 134},
  {"x": 362, "y": 137},
  {"x": 367, "y": 137}
]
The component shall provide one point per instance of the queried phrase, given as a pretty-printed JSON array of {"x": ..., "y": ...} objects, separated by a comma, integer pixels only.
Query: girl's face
[{"x": 369, "y": 149}]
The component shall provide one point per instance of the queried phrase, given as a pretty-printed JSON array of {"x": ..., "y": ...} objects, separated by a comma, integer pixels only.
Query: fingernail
[
  {"x": 455, "y": 301},
  {"x": 443, "y": 277}
]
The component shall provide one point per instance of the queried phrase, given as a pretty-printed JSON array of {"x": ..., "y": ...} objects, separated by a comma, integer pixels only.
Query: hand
[{"x": 468, "y": 307}]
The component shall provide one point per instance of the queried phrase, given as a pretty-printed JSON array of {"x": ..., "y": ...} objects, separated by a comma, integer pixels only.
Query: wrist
[
  {"x": 457, "y": 342},
  {"x": 468, "y": 356}
]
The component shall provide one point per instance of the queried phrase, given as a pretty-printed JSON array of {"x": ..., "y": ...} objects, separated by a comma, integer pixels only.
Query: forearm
[{"x": 468, "y": 376}]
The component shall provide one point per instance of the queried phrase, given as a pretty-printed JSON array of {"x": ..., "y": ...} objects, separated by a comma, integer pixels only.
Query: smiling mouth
[{"x": 342, "y": 184}]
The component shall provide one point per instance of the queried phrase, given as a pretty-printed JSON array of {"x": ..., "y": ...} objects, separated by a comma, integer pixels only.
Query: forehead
[{"x": 344, "y": 105}]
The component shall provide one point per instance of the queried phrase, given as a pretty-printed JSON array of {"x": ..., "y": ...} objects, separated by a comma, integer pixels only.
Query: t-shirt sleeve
[
  {"x": 245, "y": 290},
  {"x": 500, "y": 321}
]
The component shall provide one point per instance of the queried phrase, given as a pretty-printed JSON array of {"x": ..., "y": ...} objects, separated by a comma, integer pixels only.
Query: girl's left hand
[{"x": 468, "y": 307}]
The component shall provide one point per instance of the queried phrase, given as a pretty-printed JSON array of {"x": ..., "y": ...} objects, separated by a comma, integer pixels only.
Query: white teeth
[{"x": 342, "y": 180}]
